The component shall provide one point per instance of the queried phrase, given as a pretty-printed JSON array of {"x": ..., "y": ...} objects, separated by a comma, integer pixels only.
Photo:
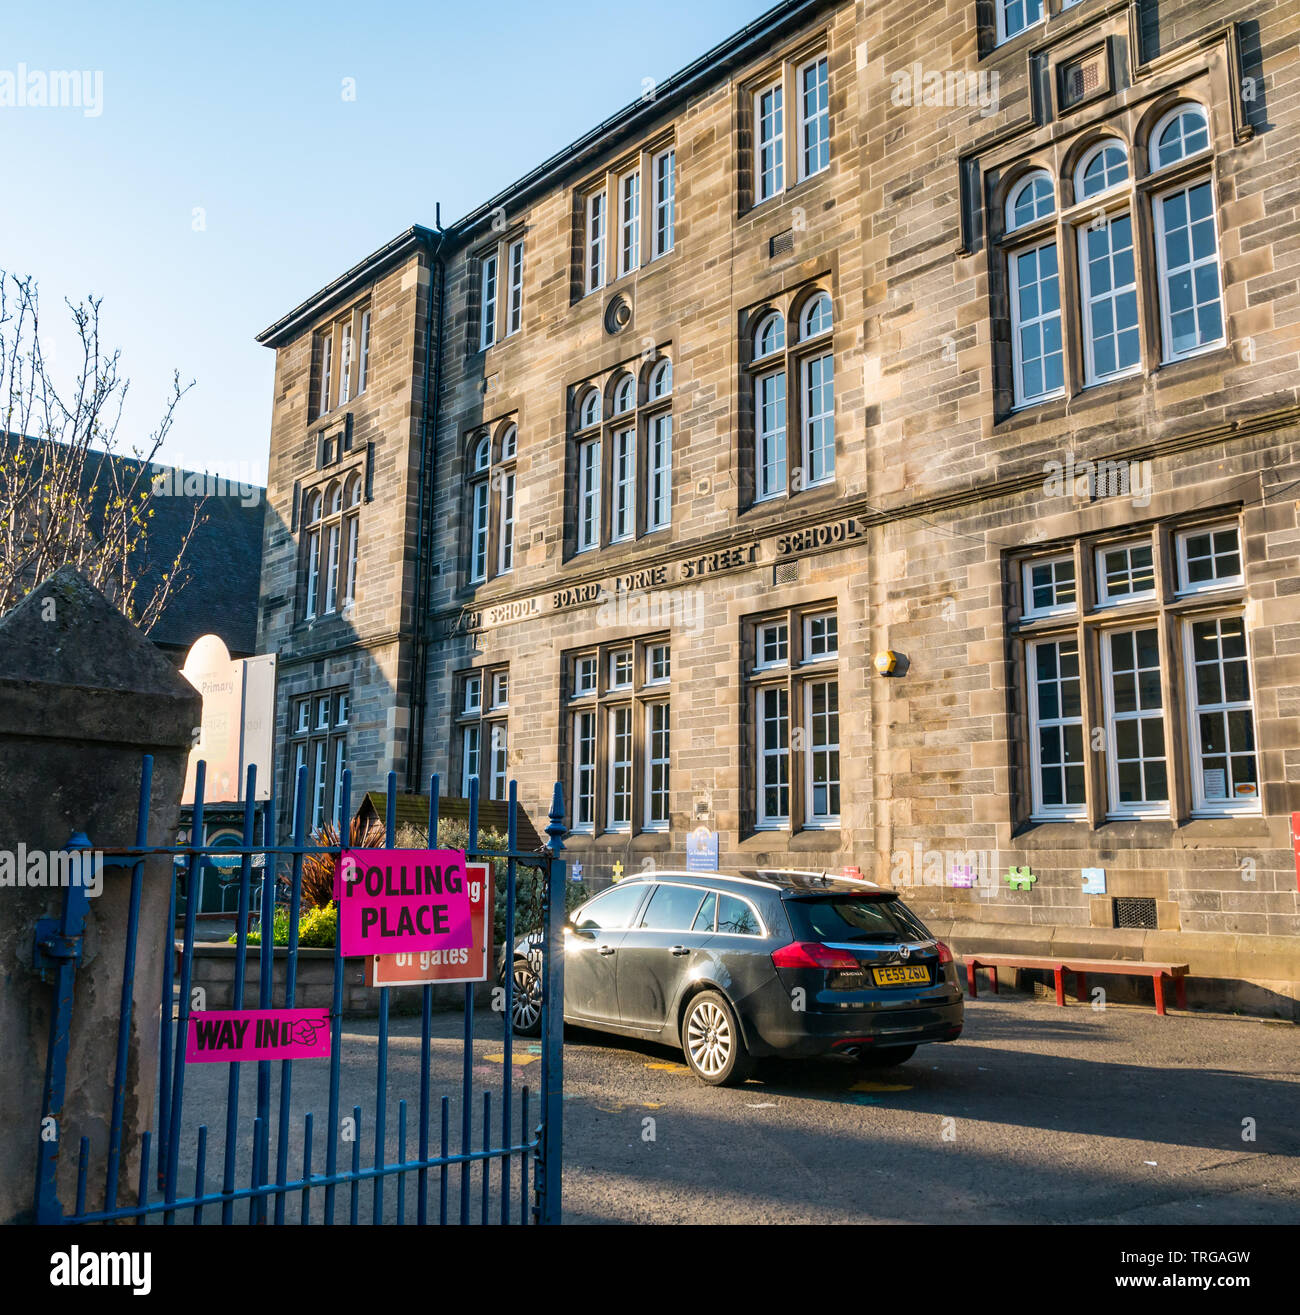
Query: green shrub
[{"x": 318, "y": 929}]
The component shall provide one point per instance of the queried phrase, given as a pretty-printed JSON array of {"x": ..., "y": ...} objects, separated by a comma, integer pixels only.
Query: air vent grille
[
  {"x": 1136, "y": 913},
  {"x": 785, "y": 572},
  {"x": 782, "y": 244}
]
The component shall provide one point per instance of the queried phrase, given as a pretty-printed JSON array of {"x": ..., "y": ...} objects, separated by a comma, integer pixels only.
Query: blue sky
[{"x": 235, "y": 113}]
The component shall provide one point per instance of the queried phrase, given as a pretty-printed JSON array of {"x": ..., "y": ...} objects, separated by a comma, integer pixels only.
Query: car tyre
[
  {"x": 526, "y": 1002},
  {"x": 889, "y": 1057},
  {"x": 711, "y": 1041}
]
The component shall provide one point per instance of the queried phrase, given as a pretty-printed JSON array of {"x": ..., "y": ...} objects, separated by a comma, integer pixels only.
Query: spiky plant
[{"x": 318, "y": 869}]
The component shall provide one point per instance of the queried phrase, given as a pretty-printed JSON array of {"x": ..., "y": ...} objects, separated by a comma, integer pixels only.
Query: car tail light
[
  {"x": 945, "y": 954},
  {"x": 813, "y": 954}
]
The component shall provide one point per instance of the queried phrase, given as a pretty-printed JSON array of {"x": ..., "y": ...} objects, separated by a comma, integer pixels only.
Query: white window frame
[
  {"x": 622, "y": 520},
  {"x": 487, "y": 300},
  {"x": 587, "y": 664},
  {"x": 1185, "y": 587},
  {"x": 506, "y": 523},
  {"x": 760, "y": 640},
  {"x": 652, "y": 661},
  {"x": 773, "y": 474},
  {"x": 615, "y": 712},
  {"x": 814, "y": 820},
  {"x": 829, "y": 615},
  {"x": 468, "y": 733},
  {"x": 1201, "y": 805},
  {"x": 363, "y": 362},
  {"x": 480, "y": 503},
  {"x": 1029, "y": 180},
  {"x": 1041, "y": 812},
  {"x": 498, "y": 759},
  {"x": 326, "y": 370},
  {"x": 589, "y": 509},
  {"x": 594, "y": 243},
  {"x": 629, "y": 222},
  {"x": 809, "y": 418},
  {"x": 648, "y": 821},
  {"x": 664, "y": 175},
  {"x": 1028, "y": 611},
  {"x": 821, "y": 115},
  {"x": 500, "y": 695},
  {"x": 1108, "y": 143},
  {"x": 584, "y": 770},
  {"x": 345, "y": 363},
  {"x": 659, "y": 467},
  {"x": 472, "y": 696},
  {"x": 515, "y": 295},
  {"x": 1003, "y": 33},
  {"x": 1021, "y": 398},
  {"x": 616, "y": 660},
  {"x": 1153, "y": 139},
  {"x": 1089, "y": 302},
  {"x": 763, "y": 820},
  {"x": 1164, "y": 273},
  {"x": 1104, "y": 596},
  {"x": 1143, "y": 808},
  {"x": 773, "y": 144}
]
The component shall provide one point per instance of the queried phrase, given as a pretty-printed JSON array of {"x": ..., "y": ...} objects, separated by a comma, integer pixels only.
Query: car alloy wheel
[
  {"x": 712, "y": 1042},
  {"x": 526, "y": 1003}
]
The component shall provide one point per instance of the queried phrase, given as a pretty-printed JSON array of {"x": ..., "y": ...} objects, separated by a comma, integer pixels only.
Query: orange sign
[{"x": 420, "y": 967}]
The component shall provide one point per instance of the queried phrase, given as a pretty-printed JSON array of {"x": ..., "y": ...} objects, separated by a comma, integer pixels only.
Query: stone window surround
[
  {"x": 641, "y": 418},
  {"x": 643, "y": 160},
  {"x": 487, "y": 485},
  {"x": 789, "y": 360},
  {"x": 638, "y": 696},
  {"x": 796, "y": 674},
  {"x": 329, "y": 349},
  {"x": 502, "y": 249},
  {"x": 490, "y": 720},
  {"x": 1171, "y": 610},
  {"x": 1058, "y": 147},
  {"x": 785, "y": 69}
]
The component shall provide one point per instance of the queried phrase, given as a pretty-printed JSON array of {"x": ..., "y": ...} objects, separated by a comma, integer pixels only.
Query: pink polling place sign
[
  {"x": 395, "y": 901},
  {"x": 220, "y": 1036}
]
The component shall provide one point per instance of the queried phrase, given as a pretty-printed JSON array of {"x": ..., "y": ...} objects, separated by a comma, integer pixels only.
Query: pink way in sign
[
  {"x": 394, "y": 901},
  {"x": 224, "y": 1036}
]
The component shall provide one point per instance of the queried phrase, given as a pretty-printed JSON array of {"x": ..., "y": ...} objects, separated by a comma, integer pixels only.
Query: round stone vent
[{"x": 618, "y": 314}]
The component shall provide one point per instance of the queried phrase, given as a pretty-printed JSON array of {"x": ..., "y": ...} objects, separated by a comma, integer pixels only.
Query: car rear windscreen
[{"x": 838, "y": 918}]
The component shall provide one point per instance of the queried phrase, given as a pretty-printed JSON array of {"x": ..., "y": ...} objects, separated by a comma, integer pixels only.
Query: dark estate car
[{"x": 736, "y": 968}]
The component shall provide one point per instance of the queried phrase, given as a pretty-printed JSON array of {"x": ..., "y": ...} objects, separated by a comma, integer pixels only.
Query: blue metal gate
[{"x": 503, "y": 1169}]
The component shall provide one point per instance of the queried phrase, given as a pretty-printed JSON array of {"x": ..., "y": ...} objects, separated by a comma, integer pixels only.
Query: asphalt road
[{"x": 1037, "y": 1115}]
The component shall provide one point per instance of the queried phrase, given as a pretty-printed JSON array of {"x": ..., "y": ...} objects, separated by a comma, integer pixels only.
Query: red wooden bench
[{"x": 1082, "y": 968}]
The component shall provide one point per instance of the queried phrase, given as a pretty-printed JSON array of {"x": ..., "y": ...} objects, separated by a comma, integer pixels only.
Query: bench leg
[
  {"x": 1180, "y": 991},
  {"x": 1159, "y": 980},
  {"x": 970, "y": 980},
  {"x": 1059, "y": 974},
  {"x": 1081, "y": 987},
  {"x": 993, "y": 977}
]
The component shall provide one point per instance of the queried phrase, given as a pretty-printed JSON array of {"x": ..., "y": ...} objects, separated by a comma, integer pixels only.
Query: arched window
[
  {"x": 769, "y": 337},
  {"x": 1103, "y": 167},
  {"x": 351, "y": 535},
  {"x": 332, "y": 518},
  {"x": 314, "y": 517},
  {"x": 589, "y": 411},
  {"x": 503, "y": 479},
  {"x": 794, "y": 397},
  {"x": 509, "y": 442},
  {"x": 661, "y": 380},
  {"x": 1184, "y": 131},
  {"x": 483, "y": 454},
  {"x": 624, "y": 394},
  {"x": 816, "y": 317},
  {"x": 1032, "y": 198}
]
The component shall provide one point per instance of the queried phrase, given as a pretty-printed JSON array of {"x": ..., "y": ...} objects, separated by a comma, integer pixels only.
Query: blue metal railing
[{"x": 535, "y": 1150}]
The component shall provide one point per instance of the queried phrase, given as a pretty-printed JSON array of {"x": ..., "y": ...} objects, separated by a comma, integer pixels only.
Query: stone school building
[{"x": 877, "y": 445}]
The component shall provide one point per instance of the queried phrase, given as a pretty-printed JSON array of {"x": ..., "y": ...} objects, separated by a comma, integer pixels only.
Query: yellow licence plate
[{"x": 900, "y": 976}]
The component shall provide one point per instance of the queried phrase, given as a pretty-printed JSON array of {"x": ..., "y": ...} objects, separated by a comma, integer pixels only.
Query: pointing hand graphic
[{"x": 304, "y": 1031}]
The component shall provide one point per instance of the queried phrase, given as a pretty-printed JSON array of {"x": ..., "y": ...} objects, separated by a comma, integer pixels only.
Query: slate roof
[{"x": 223, "y": 564}]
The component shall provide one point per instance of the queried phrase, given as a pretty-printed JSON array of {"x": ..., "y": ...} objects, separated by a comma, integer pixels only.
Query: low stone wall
[
  {"x": 1234, "y": 974},
  {"x": 214, "y": 970}
]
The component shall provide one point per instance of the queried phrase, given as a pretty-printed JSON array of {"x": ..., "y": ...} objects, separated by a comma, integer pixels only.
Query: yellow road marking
[
  {"x": 670, "y": 1067},
  {"x": 878, "y": 1086},
  {"x": 517, "y": 1059}
]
